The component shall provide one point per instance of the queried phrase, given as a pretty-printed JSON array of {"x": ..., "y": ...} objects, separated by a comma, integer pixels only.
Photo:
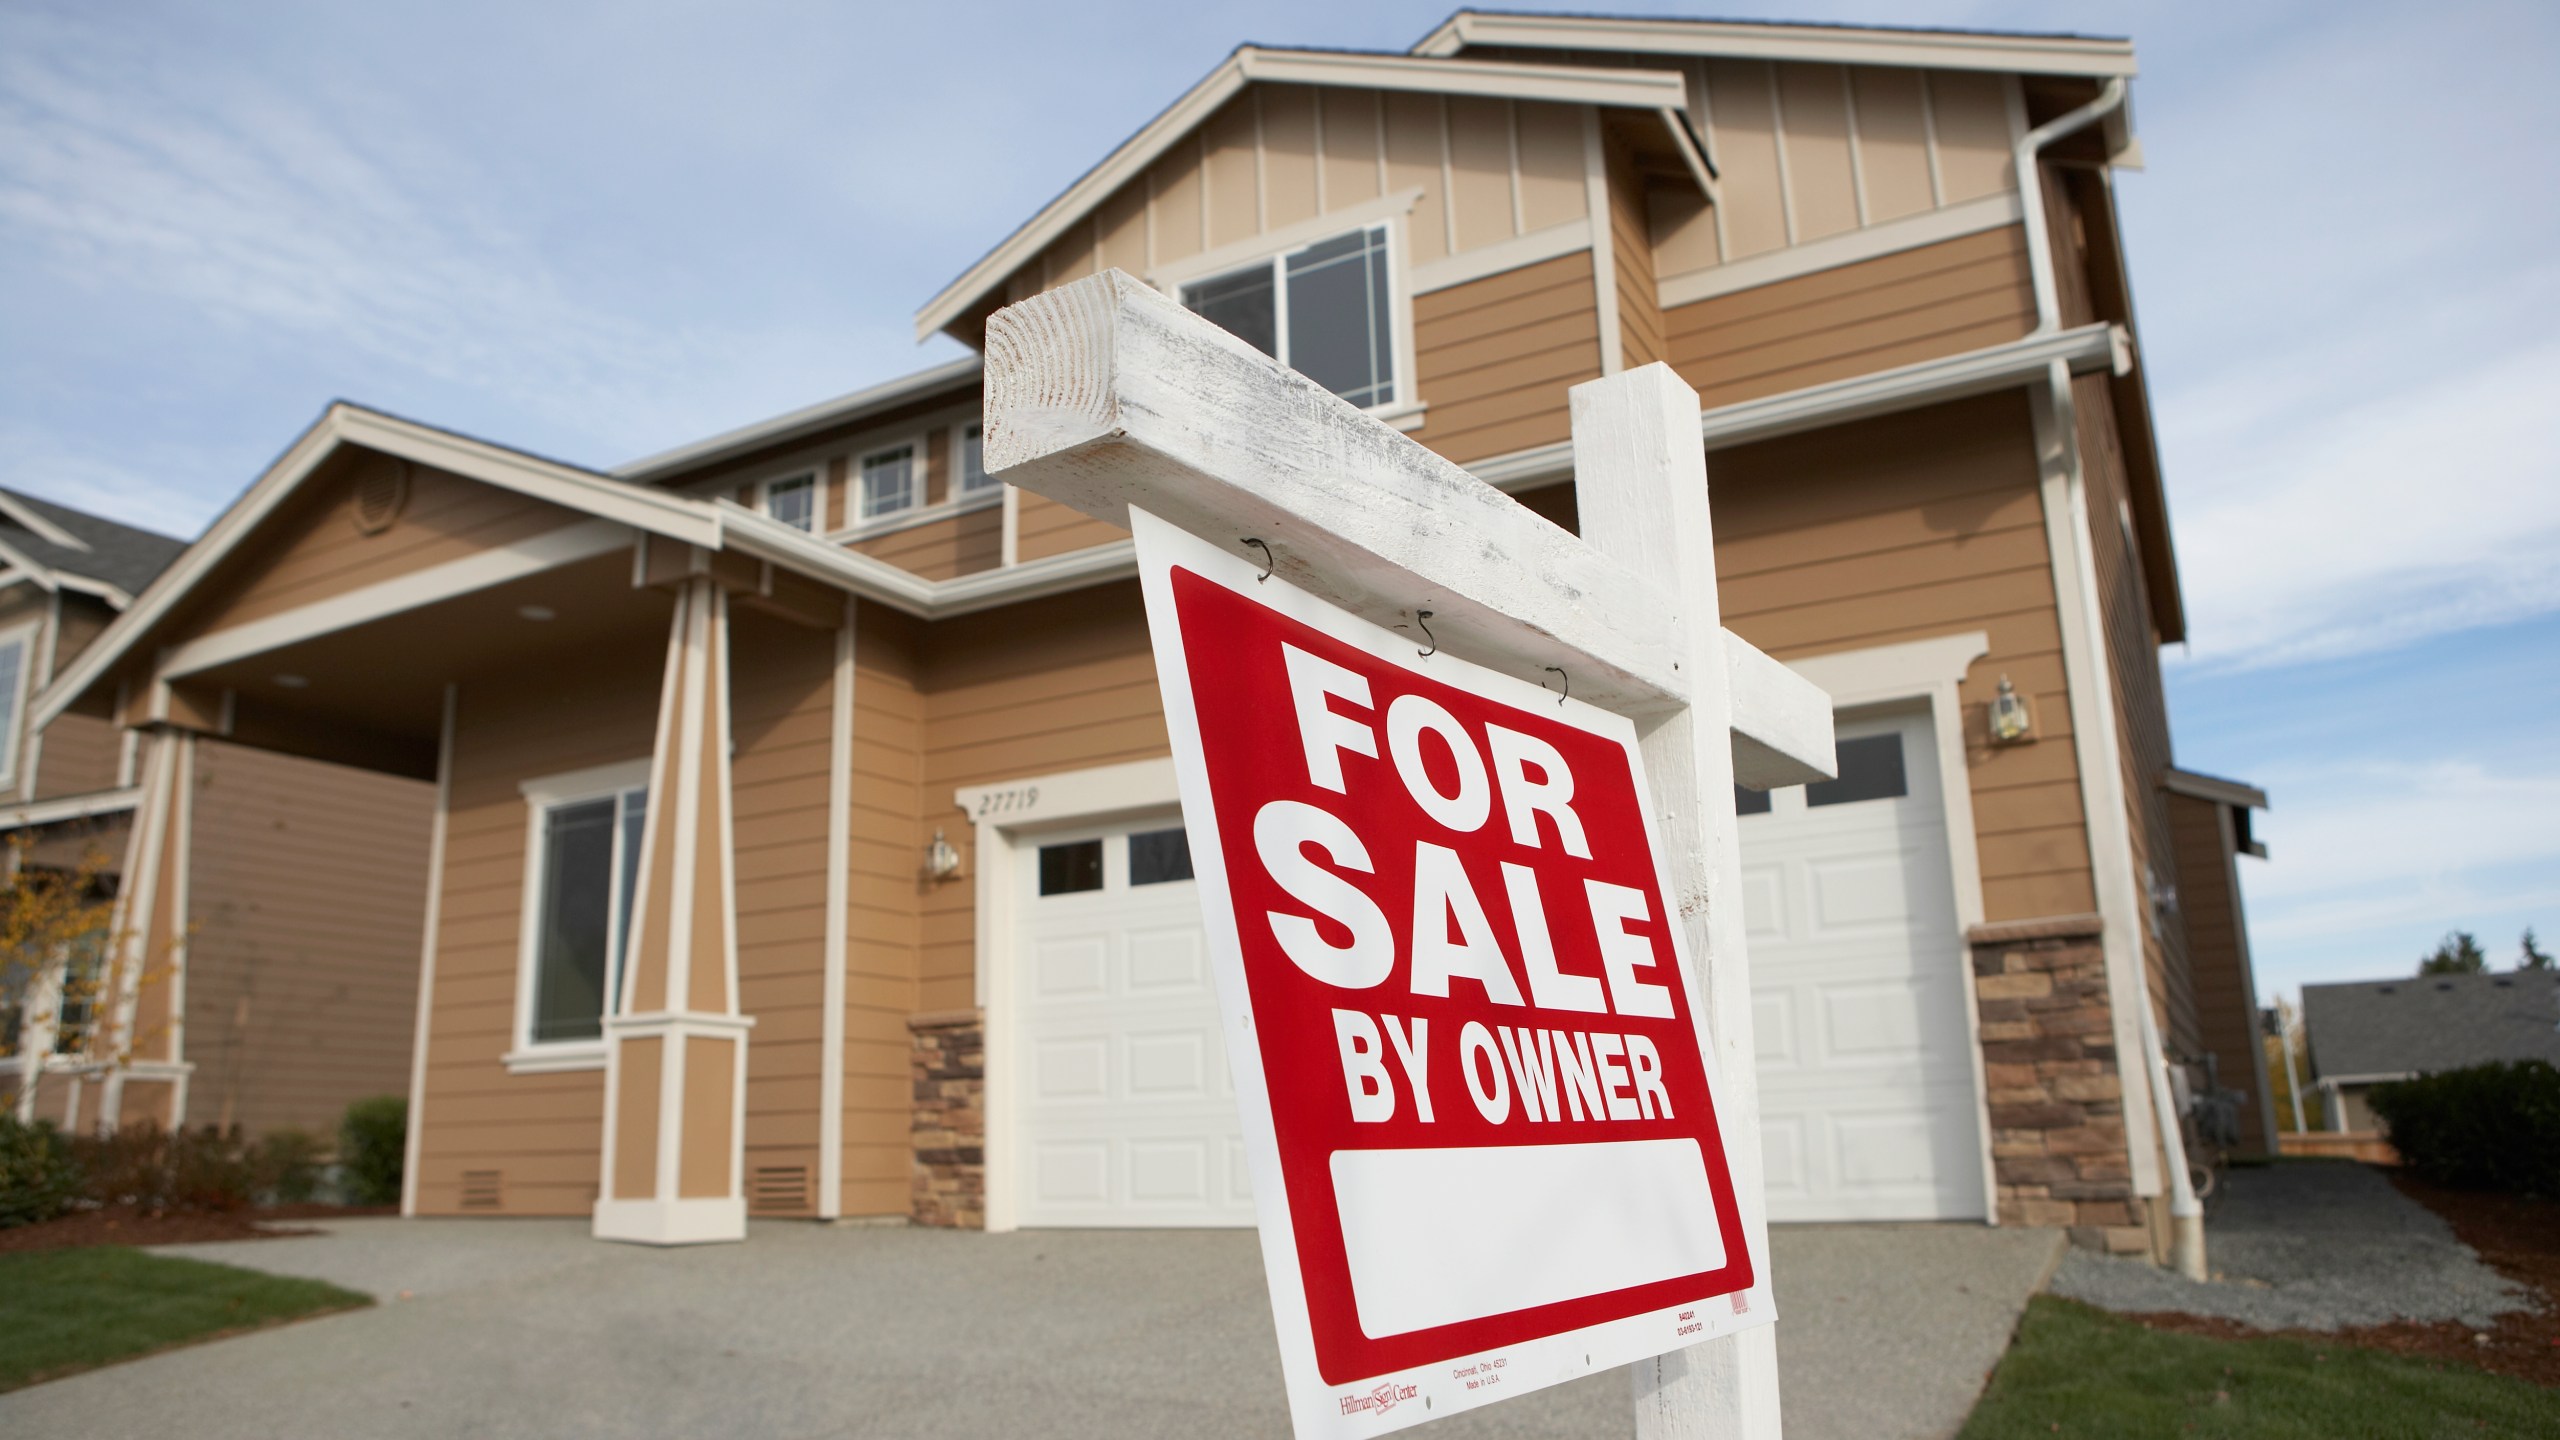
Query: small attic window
[{"x": 1326, "y": 311}]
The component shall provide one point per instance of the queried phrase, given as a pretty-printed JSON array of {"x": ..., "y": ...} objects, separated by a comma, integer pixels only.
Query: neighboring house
[
  {"x": 2374, "y": 1032},
  {"x": 2211, "y": 825},
  {"x": 299, "y": 881},
  {"x": 806, "y": 842}
]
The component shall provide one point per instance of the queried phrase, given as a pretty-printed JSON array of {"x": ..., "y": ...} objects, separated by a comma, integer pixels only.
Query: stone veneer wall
[
  {"x": 949, "y": 1127},
  {"x": 2056, "y": 1094}
]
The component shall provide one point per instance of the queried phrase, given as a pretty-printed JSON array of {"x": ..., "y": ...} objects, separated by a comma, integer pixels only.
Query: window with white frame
[
  {"x": 14, "y": 650},
  {"x": 584, "y": 867},
  {"x": 970, "y": 446},
  {"x": 793, "y": 500},
  {"x": 1325, "y": 311},
  {"x": 889, "y": 482}
]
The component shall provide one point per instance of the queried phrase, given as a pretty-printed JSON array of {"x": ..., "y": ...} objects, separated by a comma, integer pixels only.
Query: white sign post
[{"x": 1109, "y": 397}]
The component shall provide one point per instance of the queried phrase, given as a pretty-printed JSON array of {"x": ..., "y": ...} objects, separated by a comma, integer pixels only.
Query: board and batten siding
[
  {"x": 1899, "y": 309},
  {"x": 307, "y": 887},
  {"x": 1495, "y": 357}
]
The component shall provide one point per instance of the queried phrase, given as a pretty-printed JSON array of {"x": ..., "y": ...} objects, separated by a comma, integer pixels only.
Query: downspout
[{"x": 2186, "y": 1215}]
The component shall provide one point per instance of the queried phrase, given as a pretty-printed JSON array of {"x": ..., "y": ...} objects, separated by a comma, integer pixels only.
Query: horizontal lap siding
[
  {"x": 1898, "y": 309},
  {"x": 80, "y": 754},
  {"x": 543, "y": 1132},
  {"x": 885, "y": 881},
  {"x": 941, "y": 549},
  {"x": 1640, "y": 329},
  {"x": 1038, "y": 689},
  {"x": 307, "y": 887},
  {"x": 1495, "y": 357},
  {"x": 2225, "y": 995},
  {"x": 781, "y": 717},
  {"x": 1903, "y": 528},
  {"x": 1043, "y": 527},
  {"x": 317, "y": 553}
]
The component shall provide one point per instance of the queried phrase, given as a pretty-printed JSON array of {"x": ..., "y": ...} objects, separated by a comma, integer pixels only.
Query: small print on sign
[{"x": 1480, "y": 1122}]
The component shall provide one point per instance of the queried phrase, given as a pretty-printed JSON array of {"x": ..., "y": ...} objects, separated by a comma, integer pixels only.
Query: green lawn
[
  {"x": 2077, "y": 1371},
  {"x": 63, "y": 1311}
]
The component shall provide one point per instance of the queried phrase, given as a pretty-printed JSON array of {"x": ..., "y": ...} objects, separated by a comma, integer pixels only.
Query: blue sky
[{"x": 599, "y": 230}]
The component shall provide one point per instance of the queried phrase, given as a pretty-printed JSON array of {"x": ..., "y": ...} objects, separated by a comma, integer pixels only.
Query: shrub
[
  {"x": 2485, "y": 1127},
  {"x": 159, "y": 1170},
  {"x": 284, "y": 1166},
  {"x": 38, "y": 1177},
  {"x": 372, "y": 1144}
]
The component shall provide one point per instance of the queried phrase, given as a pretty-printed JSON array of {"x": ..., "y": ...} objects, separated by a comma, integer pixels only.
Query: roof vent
[
  {"x": 2388, "y": 990},
  {"x": 380, "y": 493}
]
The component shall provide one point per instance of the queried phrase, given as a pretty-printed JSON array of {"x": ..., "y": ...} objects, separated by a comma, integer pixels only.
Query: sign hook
[
  {"x": 1563, "y": 679},
  {"x": 1268, "y": 564},
  {"x": 1423, "y": 618}
]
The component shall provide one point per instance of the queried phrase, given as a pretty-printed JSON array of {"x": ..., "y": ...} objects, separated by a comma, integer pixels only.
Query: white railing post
[{"x": 1640, "y": 486}]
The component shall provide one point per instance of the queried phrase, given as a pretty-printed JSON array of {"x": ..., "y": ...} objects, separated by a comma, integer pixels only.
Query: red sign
[{"x": 1479, "y": 1113}]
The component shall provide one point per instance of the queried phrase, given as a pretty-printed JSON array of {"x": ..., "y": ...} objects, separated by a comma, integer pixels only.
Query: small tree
[
  {"x": 53, "y": 931},
  {"x": 2533, "y": 957},
  {"x": 2458, "y": 953}
]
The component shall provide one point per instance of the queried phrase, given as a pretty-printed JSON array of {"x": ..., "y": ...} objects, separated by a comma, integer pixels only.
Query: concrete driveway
[{"x": 528, "y": 1328}]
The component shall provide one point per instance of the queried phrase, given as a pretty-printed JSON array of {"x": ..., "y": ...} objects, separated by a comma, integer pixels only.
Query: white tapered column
[
  {"x": 675, "y": 1043},
  {"x": 144, "y": 996}
]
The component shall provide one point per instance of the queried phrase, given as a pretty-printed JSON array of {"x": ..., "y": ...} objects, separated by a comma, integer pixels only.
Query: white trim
[
  {"x": 2122, "y": 907},
  {"x": 838, "y": 925},
  {"x": 955, "y": 491},
  {"x": 796, "y": 424},
  {"x": 1604, "y": 248},
  {"x": 1638, "y": 89},
  {"x": 543, "y": 794},
  {"x": 27, "y": 636},
  {"x": 1403, "y": 406},
  {"x": 1825, "y": 44},
  {"x": 2213, "y": 788},
  {"x": 913, "y": 516},
  {"x": 1933, "y": 670},
  {"x": 1009, "y": 538},
  {"x": 1929, "y": 227},
  {"x": 1002, "y": 812},
  {"x": 1269, "y": 244},
  {"x": 1486, "y": 261},
  {"x": 858, "y": 496},
  {"x": 48, "y": 647},
  {"x": 579, "y": 540},
  {"x": 27, "y": 516},
  {"x": 182, "y": 821},
  {"x": 423, "y": 1028}
]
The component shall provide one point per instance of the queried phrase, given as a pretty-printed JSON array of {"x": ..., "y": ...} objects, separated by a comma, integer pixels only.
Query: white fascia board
[
  {"x": 25, "y": 567},
  {"x": 26, "y": 515},
  {"x": 69, "y": 807},
  {"x": 2213, "y": 788},
  {"x": 795, "y": 424},
  {"x": 674, "y": 516},
  {"x": 116, "y": 596},
  {"x": 1564, "y": 84},
  {"x": 1821, "y": 44}
]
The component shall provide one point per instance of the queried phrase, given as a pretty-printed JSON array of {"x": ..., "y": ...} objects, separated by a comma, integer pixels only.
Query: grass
[
  {"x": 2076, "y": 1371},
  {"x": 64, "y": 1311}
]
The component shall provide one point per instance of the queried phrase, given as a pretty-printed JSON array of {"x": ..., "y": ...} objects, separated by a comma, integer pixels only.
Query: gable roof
[
  {"x": 2390, "y": 1028},
  {"x": 1658, "y": 90},
  {"x": 2011, "y": 51},
  {"x": 55, "y": 542}
]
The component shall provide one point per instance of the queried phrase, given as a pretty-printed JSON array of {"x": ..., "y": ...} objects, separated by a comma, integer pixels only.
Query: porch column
[
  {"x": 142, "y": 1044},
  {"x": 675, "y": 1045}
]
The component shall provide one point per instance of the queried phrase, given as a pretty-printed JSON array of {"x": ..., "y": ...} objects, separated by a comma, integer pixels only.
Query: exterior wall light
[
  {"x": 941, "y": 859},
  {"x": 2011, "y": 722}
]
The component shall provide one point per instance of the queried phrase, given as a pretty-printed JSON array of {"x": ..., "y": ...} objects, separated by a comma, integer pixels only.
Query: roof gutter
[{"x": 2031, "y": 197}]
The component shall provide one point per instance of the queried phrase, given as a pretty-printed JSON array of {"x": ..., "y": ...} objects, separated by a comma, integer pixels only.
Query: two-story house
[
  {"x": 299, "y": 881},
  {"x": 804, "y": 840}
]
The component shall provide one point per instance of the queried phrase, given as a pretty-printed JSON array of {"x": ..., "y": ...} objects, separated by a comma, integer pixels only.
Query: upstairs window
[
  {"x": 14, "y": 648},
  {"x": 1323, "y": 311},
  {"x": 971, "y": 448},
  {"x": 888, "y": 482},
  {"x": 793, "y": 501}
]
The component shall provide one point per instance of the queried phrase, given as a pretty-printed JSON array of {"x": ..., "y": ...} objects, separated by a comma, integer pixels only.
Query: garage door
[
  {"x": 1866, "y": 1074},
  {"x": 1124, "y": 1114}
]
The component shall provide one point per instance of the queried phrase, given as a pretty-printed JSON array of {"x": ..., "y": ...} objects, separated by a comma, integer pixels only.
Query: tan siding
[
  {"x": 317, "y": 553},
  {"x": 1893, "y": 141},
  {"x": 81, "y": 753},
  {"x": 1354, "y": 134},
  {"x": 2226, "y": 998},
  {"x": 1743, "y": 110},
  {"x": 1480, "y": 171},
  {"x": 542, "y": 1132},
  {"x": 307, "y": 891},
  {"x": 1494, "y": 357},
  {"x": 1414, "y": 156},
  {"x": 1813, "y": 108},
  {"x": 1901, "y": 528},
  {"x": 1970, "y": 111},
  {"x": 1640, "y": 332},
  {"x": 1043, "y": 527},
  {"x": 883, "y": 898},
  {"x": 1036, "y": 689},
  {"x": 1288, "y": 154},
  {"x": 940, "y": 549},
  {"x": 1175, "y": 218},
  {"x": 1553, "y": 189},
  {"x": 1898, "y": 309},
  {"x": 1234, "y": 190}
]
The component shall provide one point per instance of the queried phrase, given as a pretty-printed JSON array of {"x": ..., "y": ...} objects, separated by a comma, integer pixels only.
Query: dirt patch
[
  {"x": 2516, "y": 1235},
  {"x": 125, "y": 1225}
]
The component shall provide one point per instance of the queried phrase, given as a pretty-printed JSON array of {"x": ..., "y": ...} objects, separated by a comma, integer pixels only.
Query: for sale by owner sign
[{"x": 1480, "y": 1119}]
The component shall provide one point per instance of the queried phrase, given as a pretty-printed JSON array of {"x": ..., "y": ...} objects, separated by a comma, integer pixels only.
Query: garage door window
[
  {"x": 1159, "y": 857},
  {"x": 1870, "y": 769},
  {"x": 1071, "y": 868}
]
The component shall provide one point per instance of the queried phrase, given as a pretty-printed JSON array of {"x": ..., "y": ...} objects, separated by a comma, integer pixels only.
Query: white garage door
[
  {"x": 1124, "y": 1115},
  {"x": 1866, "y": 1076}
]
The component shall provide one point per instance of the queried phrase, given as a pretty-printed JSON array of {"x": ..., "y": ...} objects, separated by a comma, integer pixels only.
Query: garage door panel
[
  {"x": 1071, "y": 966},
  {"x": 1169, "y": 959}
]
